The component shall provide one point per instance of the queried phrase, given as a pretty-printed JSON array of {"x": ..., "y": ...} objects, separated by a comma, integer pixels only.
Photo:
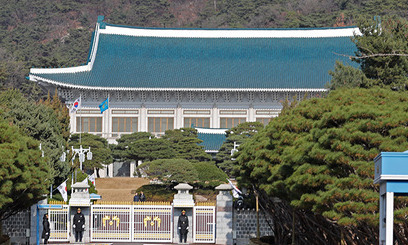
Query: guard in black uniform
[
  {"x": 79, "y": 225},
  {"x": 183, "y": 226},
  {"x": 46, "y": 229}
]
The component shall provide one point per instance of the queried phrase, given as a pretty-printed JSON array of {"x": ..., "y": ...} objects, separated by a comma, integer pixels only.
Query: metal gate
[
  {"x": 127, "y": 223},
  {"x": 204, "y": 224},
  {"x": 153, "y": 223},
  {"x": 59, "y": 221},
  {"x": 111, "y": 223}
]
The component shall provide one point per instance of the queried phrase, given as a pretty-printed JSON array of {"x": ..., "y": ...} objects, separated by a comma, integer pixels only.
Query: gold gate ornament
[
  {"x": 114, "y": 218},
  {"x": 148, "y": 218}
]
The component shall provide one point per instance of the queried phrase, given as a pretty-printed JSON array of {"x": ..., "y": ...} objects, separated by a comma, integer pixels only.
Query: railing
[
  {"x": 205, "y": 204},
  {"x": 152, "y": 223},
  {"x": 57, "y": 202},
  {"x": 134, "y": 222},
  {"x": 204, "y": 224},
  {"x": 111, "y": 223},
  {"x": 131, "y": 203},
  {"x": 137, "y": 222},
  {"x": 59, "y": 220}
]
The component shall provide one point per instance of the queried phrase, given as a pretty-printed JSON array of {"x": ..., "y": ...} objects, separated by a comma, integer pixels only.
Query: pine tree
[
  {"x": 319, "y": 158},
  {"x": 61, "y": 111},
  {"x": 184, "y": 141},
  {"x": 383, "y": 52},
  {"x": 239, "y": 135},
  {"x": 40, "y": 122},
  {"x": 119, "y": 151},
  {"x": 24, "y": 174},
  {"x": 150, "y": 149},
  {"x": 170, "y": 170}
]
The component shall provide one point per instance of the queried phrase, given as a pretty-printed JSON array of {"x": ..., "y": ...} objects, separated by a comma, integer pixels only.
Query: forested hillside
[{"x": 53, "y": 33}]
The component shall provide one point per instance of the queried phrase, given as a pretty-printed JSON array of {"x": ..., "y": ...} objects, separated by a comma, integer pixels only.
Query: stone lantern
[
  {"x": 80, "y": 195},
  {"x": 183, "y": 198}
]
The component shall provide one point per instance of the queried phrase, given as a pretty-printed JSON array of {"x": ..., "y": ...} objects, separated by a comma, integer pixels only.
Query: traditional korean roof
[
  {"x": 212, "y": 138},
  {"x": 134, "y": 58}
]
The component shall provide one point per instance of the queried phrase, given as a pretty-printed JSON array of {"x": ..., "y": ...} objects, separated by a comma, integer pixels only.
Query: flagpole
[
  {"x": 80, "y": 118},
  {"x": 108, "y": 118}
]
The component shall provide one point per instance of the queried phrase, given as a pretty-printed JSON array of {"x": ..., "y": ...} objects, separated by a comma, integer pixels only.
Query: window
[
  {"x": 268, "y": 112},
  {"x": 81, "y": 111},
  {"x": 160, "y": 111},
  {"x": 125, "y": 112},
  {"x": 202, "y": 122},
  {"x": 233, "y": 112},
  {"x": 230, "y": 122},
  {"x": 89, "y": 124},
  {"x": 264, "y": 121},
  {"x": 196, "y": 112},
  {"x": 124, "y": 124},
  {"x": 160, "y": 124}
]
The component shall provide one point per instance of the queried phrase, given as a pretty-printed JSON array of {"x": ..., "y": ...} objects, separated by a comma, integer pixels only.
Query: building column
[
  {"x": 110, "y": 170},
  {"x": 179, "y": 117},
  {"x": 251, "y": 114},
  {"x": 215, "y": 118},
  {"x": 143, "y": 119},
  {"x": 103, "y": 172},
  {"x": 132, "y": 168}
]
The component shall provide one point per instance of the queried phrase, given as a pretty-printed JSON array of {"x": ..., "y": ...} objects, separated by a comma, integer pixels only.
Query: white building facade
[{"x": 159, "y": 79}]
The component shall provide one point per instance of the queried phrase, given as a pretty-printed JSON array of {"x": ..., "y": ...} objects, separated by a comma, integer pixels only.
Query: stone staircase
[{"x": 119, "y": 189}]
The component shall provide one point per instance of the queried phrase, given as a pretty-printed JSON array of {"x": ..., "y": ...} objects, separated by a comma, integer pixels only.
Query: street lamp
[{"x": 81, "y": 154}]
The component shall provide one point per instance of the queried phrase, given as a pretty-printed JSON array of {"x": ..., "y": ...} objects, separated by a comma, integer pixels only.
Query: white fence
[
  {"x": 59, "y": 221},
  {"x": 153, "y": 223},
  {"x": 204, "y": 224},
  {"x": 126, "y": 223},
  {"x": 111, "y": 223},
  {"x": 134, "y": 223}
]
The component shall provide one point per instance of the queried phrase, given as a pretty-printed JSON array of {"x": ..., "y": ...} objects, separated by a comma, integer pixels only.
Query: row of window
[
  {"x": 155, "y": 124},
  {"x": 185, "y": 112}
]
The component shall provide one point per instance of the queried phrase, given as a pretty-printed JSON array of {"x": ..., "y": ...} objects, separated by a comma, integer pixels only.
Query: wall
[
  {"x": 16, "y": 226},
  {"x": 245, "y": 225}
]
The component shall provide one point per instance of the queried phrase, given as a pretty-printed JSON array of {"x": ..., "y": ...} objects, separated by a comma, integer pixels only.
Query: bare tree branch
[{"x": 370, "y": 55}]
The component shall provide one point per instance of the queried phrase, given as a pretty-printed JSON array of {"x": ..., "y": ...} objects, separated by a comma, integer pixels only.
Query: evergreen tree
[
  {"x": 184, "y": 142},
  {"x": 39, "y": 122},
  {"x": 170, "y": 170},
  {"x": 150, "y": 149},
  {"x": 319, "y": 158},
  {"x": 239, "y": 135},
  {"x": 119, "y": 151},
  {"x": 203, "y": 174},
  {"x": 24, "y": 174},
  {"x": 345, "y": 76},
  {"x": 61, "y": 111},
  {"x": 383, "y": 52}
]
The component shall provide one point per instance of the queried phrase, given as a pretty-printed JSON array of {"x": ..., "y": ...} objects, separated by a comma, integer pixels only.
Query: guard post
[{"x": 391, "y": 172}]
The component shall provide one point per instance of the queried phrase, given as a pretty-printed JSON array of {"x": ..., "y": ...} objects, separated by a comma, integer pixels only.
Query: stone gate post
[
  {"x": 224, "y": 217},
  {"x": 183, "y": 200}
]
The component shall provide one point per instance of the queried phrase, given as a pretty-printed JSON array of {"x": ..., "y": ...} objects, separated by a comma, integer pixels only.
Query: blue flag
[{"x": 104, "y": 105}]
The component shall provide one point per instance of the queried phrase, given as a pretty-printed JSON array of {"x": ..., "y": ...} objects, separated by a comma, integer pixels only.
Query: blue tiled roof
[
  {"x": 167, "y": 62},
  {"x": 211, "y": 142}
]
